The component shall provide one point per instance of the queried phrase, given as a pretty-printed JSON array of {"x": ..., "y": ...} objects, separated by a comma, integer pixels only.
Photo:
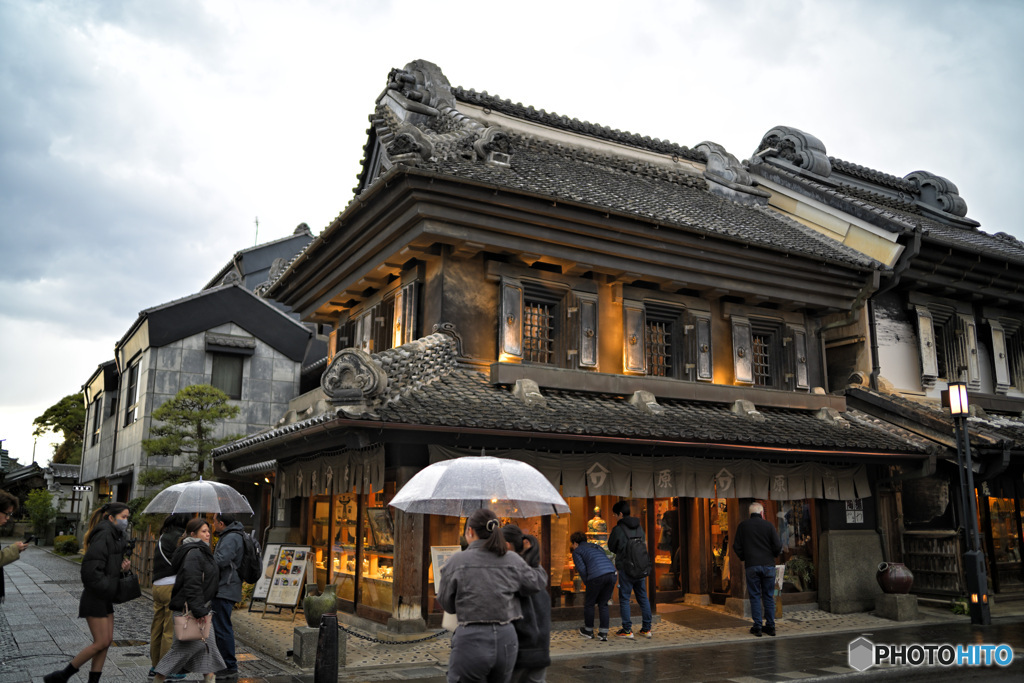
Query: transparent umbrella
[
  {"x": 459, "y": 486},
  {"x": 199, "y": 496}
]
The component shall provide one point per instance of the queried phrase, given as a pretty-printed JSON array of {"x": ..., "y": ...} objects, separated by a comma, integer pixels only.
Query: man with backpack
[
  {"x": 229, "y": 556},
  {"x": 633, "y": 562}
]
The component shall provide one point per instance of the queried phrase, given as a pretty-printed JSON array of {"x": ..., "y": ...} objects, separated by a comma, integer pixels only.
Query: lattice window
[
  {"x": 942, "y": 351},
  {"x": 1015, "y": 359},
  {"x": 762, "y": 359},
  {"x": 538, "y": 332},
  {"x": 659, "y": 348}
]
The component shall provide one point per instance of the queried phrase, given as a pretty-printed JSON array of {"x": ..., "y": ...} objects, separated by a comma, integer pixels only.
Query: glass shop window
[
  {"x": 1005, "y": 534},
  {"x": 377, "y": 562}
]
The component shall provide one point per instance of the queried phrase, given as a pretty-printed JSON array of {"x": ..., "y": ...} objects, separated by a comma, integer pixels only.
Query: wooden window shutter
[
  {"x": 795, "y": 342},
  {"x": 742, "y": 350},
  {"x": 633, "y": 321},
  {"x": 969, "y": 337},
  {"x": 406, "y": 300},
  {"x": 510, "y": 325},
  {"x": 999, "y": 360},
  {"x": 585, "y": 329},
  {"x": 926, "y": 345},
  {"x": 697, "y": 326}
]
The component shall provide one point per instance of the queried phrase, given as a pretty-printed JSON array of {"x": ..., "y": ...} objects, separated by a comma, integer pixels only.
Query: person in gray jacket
[
  {"x": 228, "y": 557},
  {"x": 479, "y": 585}
]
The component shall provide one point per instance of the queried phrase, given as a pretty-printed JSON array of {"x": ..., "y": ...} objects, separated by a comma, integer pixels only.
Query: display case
[
  {"x": 343, "y": 546},
  {"x": 378, "y": 557},
  {"x": 1006, "y": 542}
]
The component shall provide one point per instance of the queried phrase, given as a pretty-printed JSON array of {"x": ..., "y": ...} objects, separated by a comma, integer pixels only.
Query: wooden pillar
[{"x": 410, "y": 574}]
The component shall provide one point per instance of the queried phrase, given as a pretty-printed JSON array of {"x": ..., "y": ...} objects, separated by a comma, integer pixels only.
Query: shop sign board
[{"x": 289, "y": 575}]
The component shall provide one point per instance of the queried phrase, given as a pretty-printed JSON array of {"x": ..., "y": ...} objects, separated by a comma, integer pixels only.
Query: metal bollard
[{"x": 326, "y": 666}]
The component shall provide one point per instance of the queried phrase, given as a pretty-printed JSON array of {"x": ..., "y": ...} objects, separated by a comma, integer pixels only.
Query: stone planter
[{"x": 894, "y": 577}]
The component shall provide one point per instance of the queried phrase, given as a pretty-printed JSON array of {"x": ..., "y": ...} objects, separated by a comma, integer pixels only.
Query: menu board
[
  {"x": 262, "y": 587},
  {"x": 439, "y": 556},
  {"x": 289, "y": 575}
]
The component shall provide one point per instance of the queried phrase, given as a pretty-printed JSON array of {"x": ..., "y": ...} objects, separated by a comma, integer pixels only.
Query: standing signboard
[
  {"x": 289, "y": 576},
  {"x": 262, "y": 587}
]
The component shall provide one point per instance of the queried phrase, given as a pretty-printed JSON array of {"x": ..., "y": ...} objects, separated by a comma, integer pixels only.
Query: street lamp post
[{"x": 974, "y": 559}]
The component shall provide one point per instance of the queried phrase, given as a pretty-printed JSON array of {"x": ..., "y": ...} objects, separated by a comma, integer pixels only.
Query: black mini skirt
[{"x": 91, "y": 606}]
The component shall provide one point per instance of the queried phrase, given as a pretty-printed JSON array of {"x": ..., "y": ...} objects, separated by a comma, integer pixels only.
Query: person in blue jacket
[{"x": 598, "y": 574}]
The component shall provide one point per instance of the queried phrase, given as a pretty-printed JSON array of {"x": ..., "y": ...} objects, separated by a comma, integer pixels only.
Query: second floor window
[
  {"x": 765, "y": 357},
  {"x": 665, "y": 338},
  {"x": 227, "y": 374},
  {"x": 97, "y": 410},
  {"x": 131, "y": 394},
  {"x": 769, "y": 352}
]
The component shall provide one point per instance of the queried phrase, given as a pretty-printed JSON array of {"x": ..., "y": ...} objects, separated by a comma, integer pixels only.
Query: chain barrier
[{"x": 392, "y": 642}]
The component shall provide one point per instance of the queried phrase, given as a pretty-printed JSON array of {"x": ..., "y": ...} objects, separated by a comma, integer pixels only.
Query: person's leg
[
  {"x": 589, "y": 600},
  {"x": 472, "y": 652},
  {"x": 625, "y": 589},
  {"x": 161, "y": 633},
  {"x": 768, "y": 597},
  {"x": 640, "y": 587},
  {"x": 506, "y": 650},
  {"x": 754, "y": 592},
  {"x": 605, "y": 587},
  {"x": 225, "y": 634}
]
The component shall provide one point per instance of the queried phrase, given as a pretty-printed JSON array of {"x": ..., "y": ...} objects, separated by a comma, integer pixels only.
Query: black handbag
[{"x": 127, "y": 588}]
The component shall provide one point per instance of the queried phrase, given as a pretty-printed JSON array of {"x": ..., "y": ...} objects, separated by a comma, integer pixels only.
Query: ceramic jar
[
  {"x": 894, "y": 577},
  {"x": 315, "y": 606}
]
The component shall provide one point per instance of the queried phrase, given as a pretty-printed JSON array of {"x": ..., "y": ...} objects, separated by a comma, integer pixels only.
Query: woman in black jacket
[
  {"x": 534, "y": 629},
  {"x": 195, "y": 585},
  {"x": 101, "y": 571}
]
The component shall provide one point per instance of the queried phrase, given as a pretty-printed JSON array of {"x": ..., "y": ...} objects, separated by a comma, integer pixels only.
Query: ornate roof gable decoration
[
  {"x": 937, "y": 192},
  {"x": 417, "y": 119},
  {"x": 801, "y": 149},
  {"x": 726, "y": 176},
  {"x": 357, "y": 382}
]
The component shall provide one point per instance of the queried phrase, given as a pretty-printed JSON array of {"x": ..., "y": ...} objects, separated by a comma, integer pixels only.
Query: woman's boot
[
  {"x": 94, "y": 676},
  {"x": 61, "y": 676}
]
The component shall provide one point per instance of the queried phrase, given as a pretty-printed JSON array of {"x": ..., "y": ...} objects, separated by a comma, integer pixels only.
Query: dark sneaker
[
  {"x": 645, "y": 632},
  {"x": 755, "y": 631},
  {"x": 624, "y": 633},
  {"x": 586, "y": 632},
  {"x": 602, "y": 636},
  {"x": 769, "y": 630},
  {"x": 152, "y": 672}
]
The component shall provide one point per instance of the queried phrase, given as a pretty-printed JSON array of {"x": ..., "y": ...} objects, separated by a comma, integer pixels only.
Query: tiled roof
[
  {"x": 553, "y": 120},
  {"x": 426, "y": 386},
  {"x": 549, "y": 170}
]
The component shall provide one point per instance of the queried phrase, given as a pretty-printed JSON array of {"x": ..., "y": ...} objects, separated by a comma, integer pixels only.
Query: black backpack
[
  {"x": 252, "y": 567},
  {"x": 636, "y": 563}
]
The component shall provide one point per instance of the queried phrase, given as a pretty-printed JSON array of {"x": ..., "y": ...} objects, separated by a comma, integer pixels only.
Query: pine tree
[{"x": 186, "y": 427}]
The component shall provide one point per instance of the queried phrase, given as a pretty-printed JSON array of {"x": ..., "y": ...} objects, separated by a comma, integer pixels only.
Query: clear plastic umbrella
[
  {"x": 459, "y": 486},
  {"x": 199, "y": 496}
]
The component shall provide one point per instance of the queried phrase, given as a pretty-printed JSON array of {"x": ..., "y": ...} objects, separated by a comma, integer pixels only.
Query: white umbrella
[
  {"x": 198, "y": 497},
  {"x": 459, "y": 486}
]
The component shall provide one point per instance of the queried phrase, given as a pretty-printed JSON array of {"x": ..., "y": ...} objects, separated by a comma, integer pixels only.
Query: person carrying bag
[{"x": 195, "y": 585}]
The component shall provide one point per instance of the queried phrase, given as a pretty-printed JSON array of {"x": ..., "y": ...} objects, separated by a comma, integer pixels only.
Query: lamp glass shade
[{"x": 958, "y": 403}]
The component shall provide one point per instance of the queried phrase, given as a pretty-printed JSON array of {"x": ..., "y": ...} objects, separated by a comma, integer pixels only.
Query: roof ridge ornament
[
  {"x": 938, "y": 192},
  {"x": 647, "y": 402},
  {"x": 795, "y": 146},
  {"x": 747, "y": 409},
  {"x": 726, "y": 176},
  {"x": 527, "y": 391}
]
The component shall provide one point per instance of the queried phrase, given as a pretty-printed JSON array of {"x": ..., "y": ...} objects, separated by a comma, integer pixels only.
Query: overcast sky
[{"x": 140, "y": 139}]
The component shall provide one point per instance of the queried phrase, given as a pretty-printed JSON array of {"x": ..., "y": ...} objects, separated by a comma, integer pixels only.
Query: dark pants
[
  {"x": 483, "y": 652},
  {"x": 225, "y": 634},
  {"x": 761, "y": 588},
  {"x": 599, "y": 591}
]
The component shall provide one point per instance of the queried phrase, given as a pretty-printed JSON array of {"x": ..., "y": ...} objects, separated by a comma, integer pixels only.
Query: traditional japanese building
[
  {"x": 950, "y": 307},
  {"x": 631, "y": 316}
]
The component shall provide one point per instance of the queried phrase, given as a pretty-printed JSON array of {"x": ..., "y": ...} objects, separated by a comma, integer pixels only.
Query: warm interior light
[
  {"x": 255, "y": 483},
  {"x": 984, "y": 598},
  {"x": 974, "y": 598},
  {"x": 958, "y": 403},
  {"x": 494, "y": 500},
  {"x": 266, "y": 479}
]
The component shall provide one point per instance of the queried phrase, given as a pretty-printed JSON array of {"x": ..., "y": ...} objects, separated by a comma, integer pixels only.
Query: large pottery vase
[
  {"x": 894, "y": 577},
  {"x": 315, "y": 606}
]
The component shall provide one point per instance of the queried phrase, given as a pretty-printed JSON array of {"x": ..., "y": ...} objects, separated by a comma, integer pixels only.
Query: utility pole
[{"x": 257, "y": 240}]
